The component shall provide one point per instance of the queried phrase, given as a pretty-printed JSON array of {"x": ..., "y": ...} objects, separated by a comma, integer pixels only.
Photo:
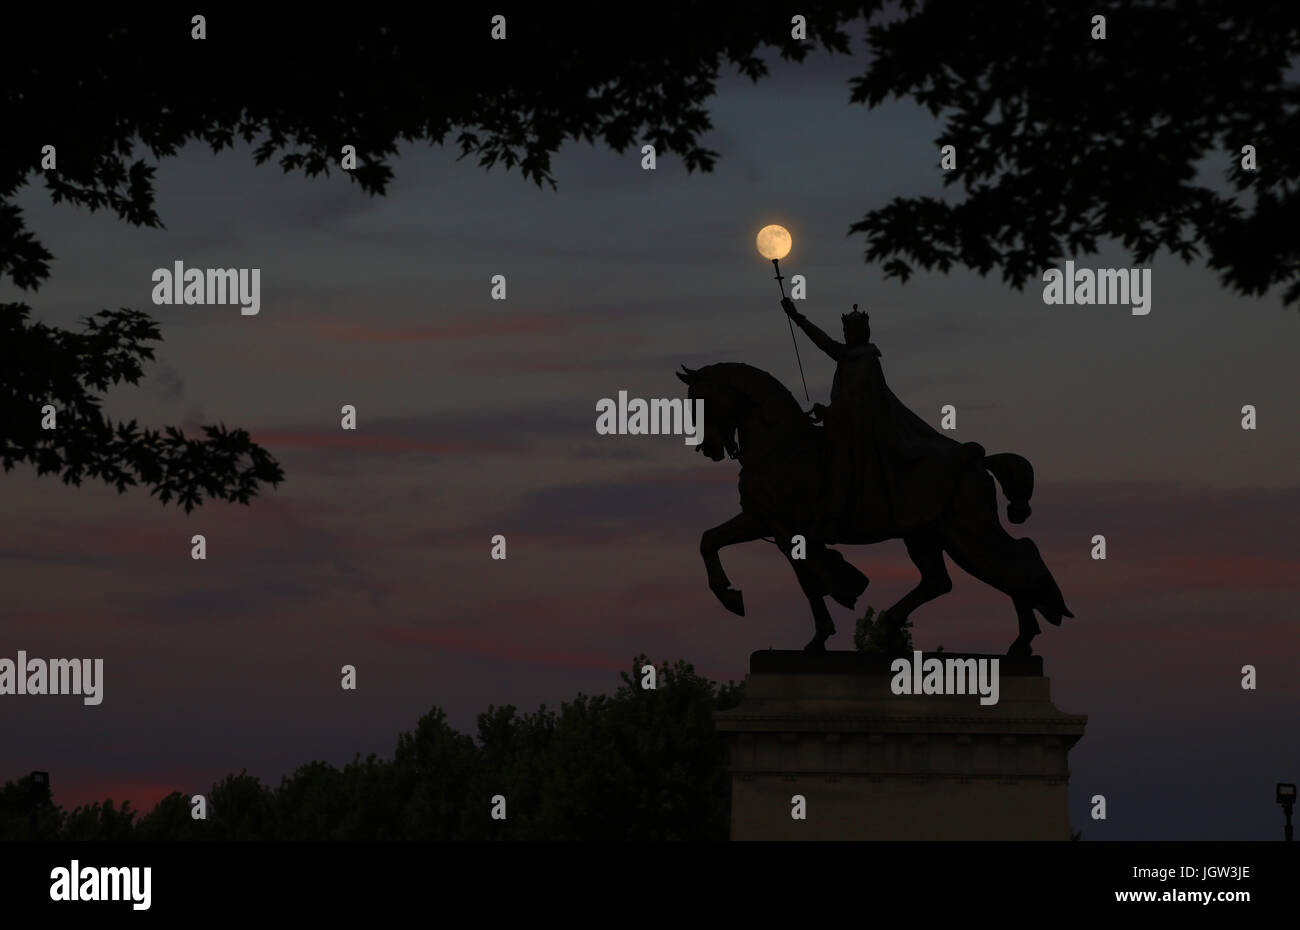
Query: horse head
[
  {"x": 744, "y": 407},
  {"x": 722, "y": 406}
]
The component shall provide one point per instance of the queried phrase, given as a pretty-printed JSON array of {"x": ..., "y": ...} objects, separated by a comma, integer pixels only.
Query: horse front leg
[
  {"x": 740, "y": 528},
  {"x": 1029, "y": 628},
  {"x": 812, "y": 578},
  {"x": 824, "y": 627}
]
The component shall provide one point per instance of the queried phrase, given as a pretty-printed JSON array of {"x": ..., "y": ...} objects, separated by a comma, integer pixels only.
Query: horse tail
[{"x": 1016, "y": 476}]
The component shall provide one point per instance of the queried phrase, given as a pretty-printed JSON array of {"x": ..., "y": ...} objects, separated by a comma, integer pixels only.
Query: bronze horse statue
[{"x": 751, "y": 417}]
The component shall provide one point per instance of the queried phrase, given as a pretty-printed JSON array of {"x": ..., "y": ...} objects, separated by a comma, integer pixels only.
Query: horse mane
[{"x": 755, "y": 380}]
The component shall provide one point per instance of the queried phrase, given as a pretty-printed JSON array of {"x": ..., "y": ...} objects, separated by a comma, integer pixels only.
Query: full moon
[{"x": 774, "y": 242}]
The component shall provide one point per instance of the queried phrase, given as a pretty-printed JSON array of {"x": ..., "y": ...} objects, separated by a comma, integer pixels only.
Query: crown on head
[{"x": 857, "y": 316}]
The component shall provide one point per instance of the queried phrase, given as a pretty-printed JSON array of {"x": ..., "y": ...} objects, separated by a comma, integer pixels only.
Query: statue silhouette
[
  {"x": 889, "y": 470},
  {"x": 876, "y": 471}
]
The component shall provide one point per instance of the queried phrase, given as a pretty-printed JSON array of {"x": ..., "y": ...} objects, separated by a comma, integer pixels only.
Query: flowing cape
[{"x": 904, "y": 465}]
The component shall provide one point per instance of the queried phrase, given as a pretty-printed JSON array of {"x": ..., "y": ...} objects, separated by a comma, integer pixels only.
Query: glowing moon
[{"x": 774, "y": 242}]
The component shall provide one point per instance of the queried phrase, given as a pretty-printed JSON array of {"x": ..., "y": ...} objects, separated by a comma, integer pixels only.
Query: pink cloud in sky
[
  {"x": 374, "y": 442},
  {"x": 460, "y": 328}
]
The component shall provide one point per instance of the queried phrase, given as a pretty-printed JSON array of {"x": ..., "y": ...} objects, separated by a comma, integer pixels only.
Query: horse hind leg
[
  {"x": 1012, "y": 566},
  {"x": 1045, "y": 595},
  {"x": 926, "y": 552}
]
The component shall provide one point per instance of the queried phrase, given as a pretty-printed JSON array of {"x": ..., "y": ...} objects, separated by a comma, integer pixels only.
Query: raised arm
[{"x": 822, "y": 341}]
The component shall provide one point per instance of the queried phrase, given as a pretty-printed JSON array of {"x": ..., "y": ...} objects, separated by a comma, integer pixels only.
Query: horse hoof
[
  {"x": 731, "y": 599},
  {"x": 1020, "y": 650},
  {"x": 816, "y": 646}
]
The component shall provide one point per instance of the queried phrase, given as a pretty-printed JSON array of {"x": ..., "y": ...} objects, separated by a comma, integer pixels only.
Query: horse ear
[{"x": 685, "y": 378}]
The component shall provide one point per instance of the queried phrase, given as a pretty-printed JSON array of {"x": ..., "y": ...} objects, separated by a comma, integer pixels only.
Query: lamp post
[
  {"x": 774, "y": 242},
  {"x": 1286, "y": 797}
]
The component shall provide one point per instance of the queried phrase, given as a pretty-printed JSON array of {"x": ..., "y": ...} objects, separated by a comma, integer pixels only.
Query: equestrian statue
[{"x": 862, "y": 470}]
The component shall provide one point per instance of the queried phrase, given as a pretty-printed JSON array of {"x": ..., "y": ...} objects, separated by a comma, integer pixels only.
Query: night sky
[{"x": 476, "y": 417}]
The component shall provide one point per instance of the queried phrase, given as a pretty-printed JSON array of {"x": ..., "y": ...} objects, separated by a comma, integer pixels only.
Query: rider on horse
[{"x": 890, "y": 471}]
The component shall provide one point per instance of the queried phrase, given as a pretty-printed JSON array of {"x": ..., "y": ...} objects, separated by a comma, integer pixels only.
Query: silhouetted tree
[
  {"x": 44, "y": 365},
  {"x": 436, "y": 768},
  {"x": 101, "y": 86},
  {"x": 1063, "y": 140},
  {"x": 242, "y": 808},
  {"x": 517, "y": 752},
  {"x": 313, "y": 803},
  {"x": 375, "y": 806},
  {"x": 172, "y": 819},
  {"x": 635, "y": 765},
  {"x": 99, "y": 822},
  {"x": 27, "y": 811},
  {"x": 640, "y": 764}
]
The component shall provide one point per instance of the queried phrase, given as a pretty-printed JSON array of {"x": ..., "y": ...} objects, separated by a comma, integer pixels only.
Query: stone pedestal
[{"x": 873, "y": 765}]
